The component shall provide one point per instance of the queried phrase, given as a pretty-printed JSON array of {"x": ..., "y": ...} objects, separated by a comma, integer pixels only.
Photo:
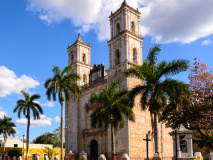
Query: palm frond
[
  {"x": 56, "y": 71},
  {"x": 94, "y": 98},
  {"x": 34, "y": 97},
  {"x": 113, "y": 104},
  {"x": 134, "y": 71},
  {"x": 113, "y": 87},
  {"x": 48, "y": 82},
  {"x": 120, "y": 94},
  {"x": 152, "y": 55},
  {"x": 73, "y": 77},
  {"x": 172, "y": 68},
  {"x": 7, "y": 127},
  {"x": 66, "y": 69}
]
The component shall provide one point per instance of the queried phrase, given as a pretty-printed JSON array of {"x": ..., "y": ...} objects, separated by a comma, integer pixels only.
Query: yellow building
[{"x": 42, "y": 149}]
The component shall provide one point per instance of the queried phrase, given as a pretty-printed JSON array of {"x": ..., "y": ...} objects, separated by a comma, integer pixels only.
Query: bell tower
[
  {"x": 125, "y": 51},
  {"x": 125, "y": 45},
  {"x": 79, "y": 59}
]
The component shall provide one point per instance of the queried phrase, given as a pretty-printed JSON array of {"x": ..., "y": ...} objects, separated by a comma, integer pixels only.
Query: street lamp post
[
  {"x": 23, "y": 148},
  {"x": 176, "y": 157},
  {"x": 66, "y": 142}
]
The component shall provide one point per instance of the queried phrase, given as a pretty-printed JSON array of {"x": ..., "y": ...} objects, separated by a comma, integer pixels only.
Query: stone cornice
[
  {"x": 82, "y": 64},
  {"x": 92, "y": 131},
  {"x": 121, "y": 64},
  {"x": 93, "y": 86},
  {"x": 123, "y": 33},
  {"x": 81, "y": 43}
]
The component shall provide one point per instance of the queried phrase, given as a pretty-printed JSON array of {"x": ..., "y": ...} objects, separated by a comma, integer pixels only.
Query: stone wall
[{"x": 142, "y": 126}]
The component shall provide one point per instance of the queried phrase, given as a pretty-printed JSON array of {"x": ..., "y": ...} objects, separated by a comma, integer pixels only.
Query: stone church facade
[{"x": 125, "y": 51}]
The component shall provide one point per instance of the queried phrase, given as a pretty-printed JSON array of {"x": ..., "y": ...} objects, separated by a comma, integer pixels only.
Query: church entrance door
[{"x": 93, "y": 150}]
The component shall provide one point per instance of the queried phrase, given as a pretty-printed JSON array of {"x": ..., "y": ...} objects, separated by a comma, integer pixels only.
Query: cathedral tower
[
  {"x": 125, "y": 51},
  {"x": 79, "y": 59},
  {"x": 125, "y": 44}
]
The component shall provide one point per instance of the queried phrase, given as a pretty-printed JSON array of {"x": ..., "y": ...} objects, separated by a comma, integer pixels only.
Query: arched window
[
  {"x": 134, "y": 56},
  {"x": 84, "y": 79},
  {"x": 84, "y": 58},
  {"x": 117, "y": 57},
  {"x": 118, "y": 28},
  {"x": 72, "y": 58},
  {"x": 133, "y": 27}
]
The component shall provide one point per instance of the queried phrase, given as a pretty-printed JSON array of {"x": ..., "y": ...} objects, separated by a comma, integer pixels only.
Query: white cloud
[
  {"x": 48, "y": 104},
  {"x": 174, "y": 20},
  {"x": 206, "y": 42},
  {"x": 11, "y": 137},
  {"x": 10, "y": 83},
  {"x": 57, "y": 119},
  {"x": 2, "y": 113},
  {"x": 1, "y": 108},
  {"x": 165, "y": 20},
  {"x": 43, "y": 121}
]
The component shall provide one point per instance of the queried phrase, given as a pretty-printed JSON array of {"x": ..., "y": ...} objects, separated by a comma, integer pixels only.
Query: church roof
[
  {"x": 79, "y": 40},
  {"x": 124, "y": 4}
]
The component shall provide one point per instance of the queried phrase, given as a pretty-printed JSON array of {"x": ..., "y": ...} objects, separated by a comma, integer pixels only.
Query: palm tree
[
  {"x": 28, "y": 105},
  {"x": 64, "y": 84},
  {"x": 7, "y": 128},
  {"x": 112, "y": 104},
  {"x": 156, "y": 90}
]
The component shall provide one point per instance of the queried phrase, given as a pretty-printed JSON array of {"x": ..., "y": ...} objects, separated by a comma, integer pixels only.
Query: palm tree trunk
[
  {"x": 62, "y": 130},
  {"x": 156, "y": 132},
  {"x": 5, "y": 140},
  {"x": 28, "y": 131},
  {"x": 112, "y": 140}
]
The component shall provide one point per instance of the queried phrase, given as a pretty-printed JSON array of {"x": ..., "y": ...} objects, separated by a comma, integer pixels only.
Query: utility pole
[{"x": 147, "y": 145}]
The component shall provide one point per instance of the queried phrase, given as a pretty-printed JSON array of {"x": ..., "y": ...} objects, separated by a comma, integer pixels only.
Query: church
[{"x": 125, "y": 51}]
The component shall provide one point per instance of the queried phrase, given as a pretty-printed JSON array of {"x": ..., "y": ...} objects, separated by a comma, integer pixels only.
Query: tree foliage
[
  {"x": 62, "y": 83},
  {"x": 197, "y": 114},
  {"x": 28, "y": 106},
  {"x": 201, "y": 85},
  {"x": 50, "y": 152},
  {"x": 50, "y": 138},
  {"x": 46, "y": 138},
  {"x": 158, "y": 87},
  {"x": 13, "y": 153},
  {"x": 7, "y": 128},
  {"x": 113, "y": 105}
]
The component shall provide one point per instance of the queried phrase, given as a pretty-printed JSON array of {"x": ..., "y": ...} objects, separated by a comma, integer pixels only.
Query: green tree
[
  {"x": 46, "y": 138},
  {"x": 64, "y": 83},
  {"x": 157, "y": 87},
  {"x": 27, "y": 106},
  {"x": 7, "y": 128},
  {"x": 50, "y": 152},
  {"x": 13, "y": 153},
  {"x": 50, "y": 138},
  {"x": 56, "y": 137},
  {"x": 112, "y": 106},
  {"x": 197, "y": 115}
]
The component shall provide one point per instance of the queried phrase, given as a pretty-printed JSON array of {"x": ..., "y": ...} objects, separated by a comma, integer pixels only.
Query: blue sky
[{"x": 34, "y": 36}]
